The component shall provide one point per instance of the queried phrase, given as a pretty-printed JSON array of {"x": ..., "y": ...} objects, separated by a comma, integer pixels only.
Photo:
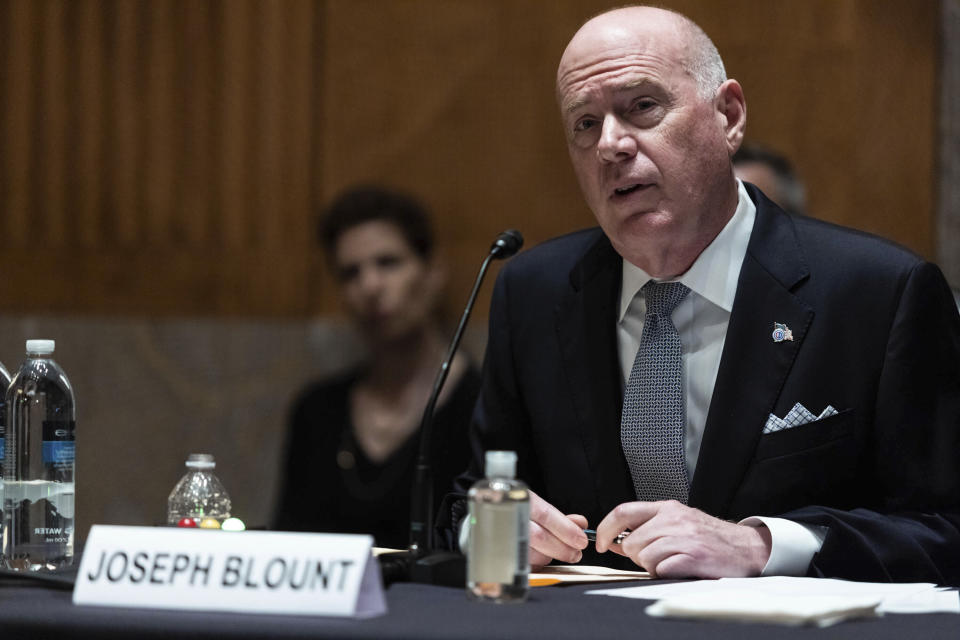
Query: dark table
[{"x": 419, "y": 611}]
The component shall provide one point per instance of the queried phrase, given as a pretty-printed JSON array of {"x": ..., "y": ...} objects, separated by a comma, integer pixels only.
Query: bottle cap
[
  {"x": 200, "y": 461},
  {"x": 501, "y": 464},
  {"x": 43, "y": 347}
]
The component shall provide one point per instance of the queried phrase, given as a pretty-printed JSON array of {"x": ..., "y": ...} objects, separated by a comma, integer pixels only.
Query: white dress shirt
[{"x": 701, "y": 319}]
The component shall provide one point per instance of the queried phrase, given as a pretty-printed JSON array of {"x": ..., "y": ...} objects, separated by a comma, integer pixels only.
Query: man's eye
[
  {"x": 643, "y": 104},
  {"x": 584, "y": 124}
]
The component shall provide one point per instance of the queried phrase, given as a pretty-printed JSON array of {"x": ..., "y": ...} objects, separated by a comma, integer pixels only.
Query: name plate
[{"x": 242, "y": 571}]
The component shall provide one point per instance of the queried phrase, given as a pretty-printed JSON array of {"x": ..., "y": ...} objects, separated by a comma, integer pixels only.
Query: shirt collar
[{"x": 715, "y": 272}]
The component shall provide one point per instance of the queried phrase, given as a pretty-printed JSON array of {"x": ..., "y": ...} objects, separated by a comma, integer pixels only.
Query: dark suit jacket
[{"x": 875, "y": 334}]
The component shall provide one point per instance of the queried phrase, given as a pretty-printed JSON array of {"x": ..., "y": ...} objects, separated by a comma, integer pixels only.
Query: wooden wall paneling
[
  {"x": 52, "y": 132},
  {"x": 896, "y": 123},
  {"x": 162, "y": 128},
  {"x": 198, "y": 144},
  {"x": 239, "y": 42},
  {"x": 268, "y": 129},
  {"x": 88, "y": 125},
  {"x": 298, "y": 115},
  {"x": 123, "y": 119},
  {"x": 19, "y": 108},
  {"x": 948, "y": 205},
  {"x": 157, "y": 156}
]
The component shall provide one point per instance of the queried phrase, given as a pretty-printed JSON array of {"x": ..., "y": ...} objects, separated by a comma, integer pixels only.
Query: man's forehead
[
  {"x": 577, "y": 89},
  {"x": 605, "y": 43}
]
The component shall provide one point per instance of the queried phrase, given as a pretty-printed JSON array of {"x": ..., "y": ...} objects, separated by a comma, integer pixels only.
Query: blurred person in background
[
  {"x": 353, "y": 440},
  {"x": 773, "y": 173}
]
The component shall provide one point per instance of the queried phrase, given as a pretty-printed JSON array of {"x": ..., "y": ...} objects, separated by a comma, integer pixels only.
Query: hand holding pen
[{"x": 592, "y": 535}]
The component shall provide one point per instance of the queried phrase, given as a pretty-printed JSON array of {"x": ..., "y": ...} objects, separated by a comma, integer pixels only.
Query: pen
[{"x": 592, "y": 535}]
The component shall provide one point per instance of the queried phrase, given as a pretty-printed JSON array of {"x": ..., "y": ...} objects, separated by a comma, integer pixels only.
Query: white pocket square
[{"x": 797, "y": 416}]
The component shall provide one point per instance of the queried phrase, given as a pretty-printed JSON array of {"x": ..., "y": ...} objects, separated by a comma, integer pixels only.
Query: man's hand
[
  {"x": 553, "y": 535},
  {"x": 672, "y": 540}
]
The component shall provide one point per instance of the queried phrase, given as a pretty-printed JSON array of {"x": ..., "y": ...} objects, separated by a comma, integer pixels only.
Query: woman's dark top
[{"x": 329, "y": 484}]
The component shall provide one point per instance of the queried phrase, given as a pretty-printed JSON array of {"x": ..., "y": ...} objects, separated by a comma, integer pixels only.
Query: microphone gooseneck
[{"x": 421, "y": 507}]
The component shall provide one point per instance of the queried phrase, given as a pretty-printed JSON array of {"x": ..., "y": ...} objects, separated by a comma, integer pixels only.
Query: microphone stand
[{"x": 421, "y": 563}]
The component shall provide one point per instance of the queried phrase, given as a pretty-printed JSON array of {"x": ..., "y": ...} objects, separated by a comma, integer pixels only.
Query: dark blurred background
[{"x": 161, "y": 163}]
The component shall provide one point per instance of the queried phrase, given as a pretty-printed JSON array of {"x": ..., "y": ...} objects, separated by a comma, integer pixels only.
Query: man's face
[{"x": 649, "y": 151}]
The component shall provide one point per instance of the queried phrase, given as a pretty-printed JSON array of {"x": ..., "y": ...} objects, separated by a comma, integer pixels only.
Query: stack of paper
[{"x": 786, "y": 600}]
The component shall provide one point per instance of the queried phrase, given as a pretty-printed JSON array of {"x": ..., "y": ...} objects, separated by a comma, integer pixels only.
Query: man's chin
[{"x": 642, "y": 226}]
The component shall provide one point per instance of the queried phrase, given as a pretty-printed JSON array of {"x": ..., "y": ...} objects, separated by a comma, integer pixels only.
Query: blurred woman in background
[{"x": 353, "y": 440}]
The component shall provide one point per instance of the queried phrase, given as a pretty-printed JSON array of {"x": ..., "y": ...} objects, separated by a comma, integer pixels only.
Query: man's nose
[{"x": 616, "y": 140}]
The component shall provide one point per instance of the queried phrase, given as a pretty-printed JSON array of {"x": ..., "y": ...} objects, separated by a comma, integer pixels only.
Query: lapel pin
[{"x": 781, "y": 332}]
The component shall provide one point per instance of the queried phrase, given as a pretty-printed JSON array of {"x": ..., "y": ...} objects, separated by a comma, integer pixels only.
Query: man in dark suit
[{"x": 815, "y": 417}]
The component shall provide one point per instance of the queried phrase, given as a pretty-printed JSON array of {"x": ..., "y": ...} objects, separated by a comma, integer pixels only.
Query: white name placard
[{"x": 243, "y": 571}]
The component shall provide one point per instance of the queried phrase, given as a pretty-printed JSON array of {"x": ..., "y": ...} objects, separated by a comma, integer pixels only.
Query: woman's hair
[{"x": 362, "y": 204}]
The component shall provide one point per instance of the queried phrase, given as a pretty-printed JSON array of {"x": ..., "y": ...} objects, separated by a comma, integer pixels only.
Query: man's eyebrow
[{"x": 572, "y": 105}]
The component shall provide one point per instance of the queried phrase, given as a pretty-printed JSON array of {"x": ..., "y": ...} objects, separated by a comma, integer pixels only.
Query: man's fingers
[
  {"x": 629, "y": 515},
  {"x": 578, "y": 520},
  {"x": 547, "y": 544},
  {"x": 538, "y": 560},
  {"x": 559, "y": 526},
  {"x": 652, "y": 556}
]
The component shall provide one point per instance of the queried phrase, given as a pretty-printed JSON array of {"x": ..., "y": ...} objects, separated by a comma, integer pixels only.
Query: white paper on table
[
  {"x": 755, "y": 606},
  {"x": 937, "y": 601},
  {"x": 892, "y": 597}
]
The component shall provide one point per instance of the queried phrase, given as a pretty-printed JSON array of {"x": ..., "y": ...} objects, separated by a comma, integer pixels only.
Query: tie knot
[{"x": 663, "y": 297}]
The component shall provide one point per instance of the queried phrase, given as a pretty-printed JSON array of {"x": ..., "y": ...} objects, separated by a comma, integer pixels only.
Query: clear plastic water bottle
[
  {"x": 199, "y": 493},
  {"x": 39, "y": 465},
  {"x": 5, "y": 383},
  {"x": 498, "y": 563}
]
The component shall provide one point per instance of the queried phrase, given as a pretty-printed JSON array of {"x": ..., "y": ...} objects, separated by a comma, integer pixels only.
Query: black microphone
[
  {"x": 506, "y": 244},
  {"x": 421, "y": 563}
]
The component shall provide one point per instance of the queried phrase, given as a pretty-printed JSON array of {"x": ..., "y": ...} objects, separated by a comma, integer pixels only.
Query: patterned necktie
[{"x": 652, "y": 424}]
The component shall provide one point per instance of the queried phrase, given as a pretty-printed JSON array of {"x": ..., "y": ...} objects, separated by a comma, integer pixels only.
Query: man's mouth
[{"x": 628, "y": 189}]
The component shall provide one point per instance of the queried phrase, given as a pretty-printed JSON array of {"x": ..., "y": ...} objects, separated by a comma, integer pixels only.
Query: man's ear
[{"x": 732, "y": 109}]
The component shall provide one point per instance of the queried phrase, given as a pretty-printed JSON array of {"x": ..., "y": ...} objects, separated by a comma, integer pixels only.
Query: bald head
[{"x": 695, "y": 52}]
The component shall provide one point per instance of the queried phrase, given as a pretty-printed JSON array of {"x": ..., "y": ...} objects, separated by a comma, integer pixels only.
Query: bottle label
[
  {"x": 58, "y": 442},
  {"x": 523, "y": 536}
]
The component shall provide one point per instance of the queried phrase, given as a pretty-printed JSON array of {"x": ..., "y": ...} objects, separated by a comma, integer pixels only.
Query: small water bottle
[
  {"x": 39, "y": 465},
  {"x": 498, "y": 564},
  {"x": 198, "y": 496}
]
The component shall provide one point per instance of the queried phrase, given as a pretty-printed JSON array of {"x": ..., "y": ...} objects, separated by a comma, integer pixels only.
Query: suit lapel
[
  {"x": 753, "y": 366},
  {"x": 586, "y": 329}
]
